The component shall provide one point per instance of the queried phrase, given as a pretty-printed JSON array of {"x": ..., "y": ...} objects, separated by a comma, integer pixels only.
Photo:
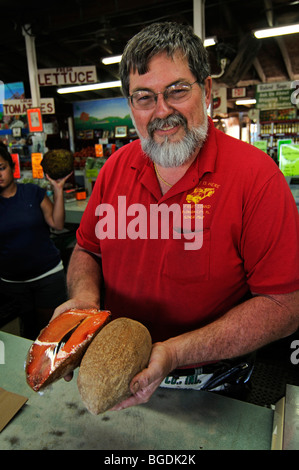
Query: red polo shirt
[{"x": 250, "y": 235}]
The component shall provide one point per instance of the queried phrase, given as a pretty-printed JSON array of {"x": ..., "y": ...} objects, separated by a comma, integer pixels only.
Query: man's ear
[{"x": 208, "y": 90}]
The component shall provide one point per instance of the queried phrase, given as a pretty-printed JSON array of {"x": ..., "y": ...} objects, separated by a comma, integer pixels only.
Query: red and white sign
[
  {"x": 67, "y": 76},
  {"x": 239, "y": 92},
  {"x": 34, "y": 118},
  {"x": 219, "y": 101}
]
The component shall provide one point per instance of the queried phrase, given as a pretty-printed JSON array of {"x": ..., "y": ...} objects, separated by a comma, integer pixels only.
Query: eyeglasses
[{"x": 173, "y": 94}]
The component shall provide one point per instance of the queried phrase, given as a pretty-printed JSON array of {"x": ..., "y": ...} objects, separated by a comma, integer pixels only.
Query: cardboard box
[{"x": 10, "y": 404}]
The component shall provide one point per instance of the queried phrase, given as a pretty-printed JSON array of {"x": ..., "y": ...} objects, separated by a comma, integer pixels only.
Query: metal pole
[
  {"x": 199, "y": 18},
  {"x": 71, "y": 133},
  {"x": 32, "y": 65}
]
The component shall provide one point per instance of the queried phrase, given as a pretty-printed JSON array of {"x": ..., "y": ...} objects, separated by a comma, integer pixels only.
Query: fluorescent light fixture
[
  {"x": 246, "y": 101},
  {"x": 210, "y": 42},
  {"x": 91, "y": 87},
  {"x": 279, "y": 31},
  {"x": 111, "y": 60},
  {"x": 117, "y": 58}
]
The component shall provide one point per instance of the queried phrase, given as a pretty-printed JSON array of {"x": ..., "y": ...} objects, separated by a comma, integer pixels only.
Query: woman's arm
[{"x": 54, "y": 212}]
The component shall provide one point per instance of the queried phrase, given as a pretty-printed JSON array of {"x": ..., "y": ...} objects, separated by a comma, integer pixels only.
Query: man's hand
[
  {"x": 74, "y": 303},
  {"x": 143, "y": 385}
]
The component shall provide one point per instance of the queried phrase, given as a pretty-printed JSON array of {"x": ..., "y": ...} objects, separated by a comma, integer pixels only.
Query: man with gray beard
[
  {"x": 208, "y": 306},
  {"x": 168, "y": 154}
]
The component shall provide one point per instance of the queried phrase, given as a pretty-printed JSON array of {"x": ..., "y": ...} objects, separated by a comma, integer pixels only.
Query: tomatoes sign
[{"x": 19, "y": 107}]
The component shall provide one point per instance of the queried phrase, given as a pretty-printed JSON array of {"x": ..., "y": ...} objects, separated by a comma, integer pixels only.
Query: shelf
[{"x": 279, "y": 135}]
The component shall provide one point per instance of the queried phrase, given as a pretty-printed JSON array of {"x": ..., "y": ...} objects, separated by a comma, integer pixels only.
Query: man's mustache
[{"x": 171, "y": 120}]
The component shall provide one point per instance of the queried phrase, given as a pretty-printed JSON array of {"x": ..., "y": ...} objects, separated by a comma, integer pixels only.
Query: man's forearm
[
  {"x": 84, "y": 276},
  {"x": 243, "y": 329}
]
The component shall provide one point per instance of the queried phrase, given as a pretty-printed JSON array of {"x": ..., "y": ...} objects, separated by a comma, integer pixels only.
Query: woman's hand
[
  {"x": 143, "y": 385},
  {"x": 54, "y": 211},
  {"x": 58, "y": 184}
]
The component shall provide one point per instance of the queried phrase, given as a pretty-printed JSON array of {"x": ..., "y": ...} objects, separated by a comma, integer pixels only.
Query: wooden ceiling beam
[
  {"x": 280, "y": 40},
  {"x": 259, "y": 70},
  {"x": 286, "y": 58}
]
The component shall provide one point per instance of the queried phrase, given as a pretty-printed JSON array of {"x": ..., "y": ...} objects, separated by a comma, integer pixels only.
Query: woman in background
[{"x": 31, "y": 269}]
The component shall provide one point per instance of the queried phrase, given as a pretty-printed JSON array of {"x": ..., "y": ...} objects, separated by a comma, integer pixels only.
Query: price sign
[
  {"x": 34, "y": 118},
  {"x": 37, "y": 169},
  {"x": 99, "y": 150},
  {"x": 16, "y": 160},
  {"x": 261, "y": 144},
  {"x": 289, "y": 159}
]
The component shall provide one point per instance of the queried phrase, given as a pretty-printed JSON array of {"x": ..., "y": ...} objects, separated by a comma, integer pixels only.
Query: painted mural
[
  {"x": 11, "y": 91},
  {"x": 103, "y": 114}
]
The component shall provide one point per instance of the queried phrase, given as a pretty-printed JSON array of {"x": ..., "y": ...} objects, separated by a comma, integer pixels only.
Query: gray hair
[{"x": 163, "y": 37}]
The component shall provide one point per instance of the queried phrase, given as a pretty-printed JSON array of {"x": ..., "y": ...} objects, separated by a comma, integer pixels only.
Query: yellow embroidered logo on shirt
[{"x": 199, "y": 194}]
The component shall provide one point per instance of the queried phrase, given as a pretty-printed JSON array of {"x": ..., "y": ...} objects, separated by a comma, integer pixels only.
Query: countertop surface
[
  {"x": 173, "y": 419},
  {"x": 74, "y": 210}
]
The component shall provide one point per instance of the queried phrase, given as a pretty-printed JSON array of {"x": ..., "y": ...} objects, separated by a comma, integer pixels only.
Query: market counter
[
  {"x": 74, "y": 210},
  {"x": 172, "y": 420}
]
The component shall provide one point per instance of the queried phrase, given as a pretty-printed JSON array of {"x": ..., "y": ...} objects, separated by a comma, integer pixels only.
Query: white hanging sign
[
  {"x": 19, "y": 107},
  {"x": 67, "y": 76}
]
